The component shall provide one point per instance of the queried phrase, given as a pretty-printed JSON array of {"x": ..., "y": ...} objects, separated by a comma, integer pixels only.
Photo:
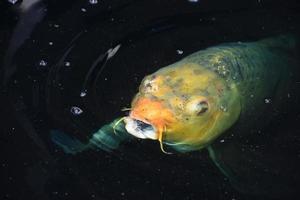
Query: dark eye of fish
[{"x": 202, "y": 106}]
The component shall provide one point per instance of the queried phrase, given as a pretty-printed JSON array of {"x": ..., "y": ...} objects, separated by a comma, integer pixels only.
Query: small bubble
[
  {"x": 267, "y": 100},
  {"x": 56, "y": 25},
  {"x": 288, "y": 95},
  {"x": 43, "y": 63},
  {"x": 93, "y": 1},
  {"x": 179, "y": 51},
  {"x": 12, "y": 1},
  {"x": 76, "y": 110},
  {"x": 251, "y": 95},
  {"x": 67, "y": 64},
  {"x": 50, "y": 43},
  {"x": 193, "y": 1},
  {"x": 222, "y": 141},
  {"x": 83, "y": 9},
  {"x": 83, "y": 93}
]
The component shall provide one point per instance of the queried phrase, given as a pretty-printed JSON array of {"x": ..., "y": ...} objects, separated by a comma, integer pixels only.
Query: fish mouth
[{"x": 140, "y": 129}]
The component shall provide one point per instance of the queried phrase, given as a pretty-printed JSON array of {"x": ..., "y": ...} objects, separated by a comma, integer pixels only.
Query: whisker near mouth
[{"x": 140, "y": 129}]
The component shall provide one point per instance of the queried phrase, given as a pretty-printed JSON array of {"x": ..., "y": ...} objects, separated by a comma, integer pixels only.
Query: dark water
[{"x": 58, "y": 72}]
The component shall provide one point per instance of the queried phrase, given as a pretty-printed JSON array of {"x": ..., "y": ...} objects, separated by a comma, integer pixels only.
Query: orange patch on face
[{"x": 153, "y": 112}]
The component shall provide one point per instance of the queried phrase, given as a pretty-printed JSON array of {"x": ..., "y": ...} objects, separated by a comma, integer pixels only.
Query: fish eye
[
  {"x": 201, "y": 107},
  {"x": 197, "y": 106}
]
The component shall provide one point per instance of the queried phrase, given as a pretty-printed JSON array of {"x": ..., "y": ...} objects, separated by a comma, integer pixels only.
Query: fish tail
[
  {"x": 107, "y": 138},
  {"x": 69, "y": 144}
]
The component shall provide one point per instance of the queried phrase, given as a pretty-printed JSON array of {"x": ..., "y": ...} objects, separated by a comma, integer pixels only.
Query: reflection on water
[{"x": 74, "y": 66}]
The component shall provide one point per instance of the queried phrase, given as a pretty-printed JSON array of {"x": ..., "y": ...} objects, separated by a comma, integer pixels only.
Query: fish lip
[{"x": 133, "y": 127}]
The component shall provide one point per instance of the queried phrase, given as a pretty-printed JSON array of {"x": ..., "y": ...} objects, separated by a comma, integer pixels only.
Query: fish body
[
  {"x": 218, "y": 99},
  {"x": 222, "y": 99},
  {"x": 192, "y": 102}
]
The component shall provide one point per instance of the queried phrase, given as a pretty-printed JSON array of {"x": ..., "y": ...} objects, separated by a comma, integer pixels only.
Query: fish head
[{"x": 183, "y": 105}]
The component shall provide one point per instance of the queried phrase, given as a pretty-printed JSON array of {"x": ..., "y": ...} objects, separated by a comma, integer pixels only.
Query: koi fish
[{"x": 217, "y": 99}]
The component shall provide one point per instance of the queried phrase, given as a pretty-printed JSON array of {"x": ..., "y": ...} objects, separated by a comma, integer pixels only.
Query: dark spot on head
[
  {"x": 171, "y": 73},
  {"x": 148, "y": 85},
  {"x": 184, "y": 97},
  {"x": 197, "y": 91},
  {"x": 168, "y": 78},
  {"x": 197, "y": 71},
  {"x": 153, "y": 77},
  {"x": 210, "y": 56},
  {"x": 187, "y": 119},
  {"x": 178, "y": 82}
]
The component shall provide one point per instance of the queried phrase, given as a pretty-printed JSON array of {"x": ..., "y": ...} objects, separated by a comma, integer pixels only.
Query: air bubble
[
  {"x": 76, "y": 110},
  {"x": 267, "y": 101},
  {"x": 93, "y": 1},
  {"x": 12, "y": 1},
  {"x": 179, "y": 51},
  {"x": 83, "y": 93},
  {"x": 43, "y": 63},
  {"x": 67, "y": 64}
]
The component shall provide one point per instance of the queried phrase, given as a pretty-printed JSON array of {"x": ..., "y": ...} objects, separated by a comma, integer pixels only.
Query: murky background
[{"x": 73, "y": 65}]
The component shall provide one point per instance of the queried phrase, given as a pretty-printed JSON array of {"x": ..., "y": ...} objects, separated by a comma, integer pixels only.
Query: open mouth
[{"x": 140, "y": 129}]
